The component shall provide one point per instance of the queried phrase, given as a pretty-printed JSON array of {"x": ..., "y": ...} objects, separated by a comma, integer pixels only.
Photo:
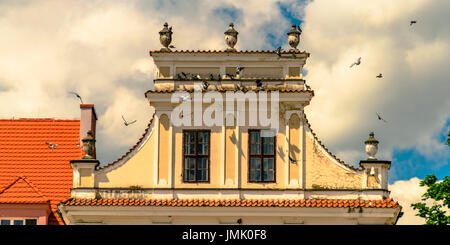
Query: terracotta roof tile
[
  {"x": 29, "y": 167},
  {"x": 224, "y": 51},
  {"x": 22, "y": 191},
  {"x": 319, "y": 203}
]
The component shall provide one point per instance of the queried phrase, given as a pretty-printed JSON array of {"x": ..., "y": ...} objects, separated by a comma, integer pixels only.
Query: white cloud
[
  {"x": 406, "y": 192},
  {"x": 412, "y": 96},
  {"x": 95, "y": 47},
  {"x": 100, "y": 50}
]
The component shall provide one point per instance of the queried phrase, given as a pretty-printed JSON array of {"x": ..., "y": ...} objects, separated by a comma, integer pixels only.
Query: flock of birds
[
  {"x": 205, "y": 85},
  {"x": 358, "y": 62}
]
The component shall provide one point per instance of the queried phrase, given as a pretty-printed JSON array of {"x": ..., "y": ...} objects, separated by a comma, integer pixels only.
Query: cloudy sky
[{"x": 100, "y": 49}]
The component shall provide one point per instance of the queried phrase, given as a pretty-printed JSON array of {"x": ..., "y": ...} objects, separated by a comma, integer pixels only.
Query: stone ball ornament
[
  {"x": 231, "y": 37},
  {"x": 371, "y": 146},
  {"x": 294, "y": 37},
  {"x": 165, "y": 37}
]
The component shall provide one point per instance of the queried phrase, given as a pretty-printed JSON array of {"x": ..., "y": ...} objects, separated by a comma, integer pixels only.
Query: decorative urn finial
[
  {"x": 231, "y": 37},
  {"x": 89, "y": 145},
  {"x": 165, "y": 37},
  {"x": 294, "y": 37},
  {"x": 371, "y": 146}
]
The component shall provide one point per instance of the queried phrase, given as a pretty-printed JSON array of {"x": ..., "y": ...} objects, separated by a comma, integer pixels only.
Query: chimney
[{"x": 88, "y": 121}]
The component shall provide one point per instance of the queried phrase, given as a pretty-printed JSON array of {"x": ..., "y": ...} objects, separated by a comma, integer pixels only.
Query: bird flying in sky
[
  {"x": 380, "y": 75},
  {"x": 380, "y": 118},
  {"x": 357, "y": 62},
  {"x": 412, "y": 22},
  {"x": 51, "y": 146},
  {"x": 127, "y": 123},
  {"x": 78, "y": 96}
]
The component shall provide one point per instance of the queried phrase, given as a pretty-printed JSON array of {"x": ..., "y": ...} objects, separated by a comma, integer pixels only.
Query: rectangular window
[
  {"x": 196, "y": 145},
  {"x": 18, "y": 221},
  {"x": 261, "y": 157},
  {"x": 5, "y": 222},
  {"x": 30, "y": 221}
]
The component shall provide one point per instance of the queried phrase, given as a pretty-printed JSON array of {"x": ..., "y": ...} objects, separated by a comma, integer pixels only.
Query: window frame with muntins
[
  {"x": 253, "y": 155},
  {"x": 199, "y": 168}
]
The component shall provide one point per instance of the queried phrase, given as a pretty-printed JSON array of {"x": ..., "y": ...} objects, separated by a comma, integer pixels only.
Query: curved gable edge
[
  {"x": 325, "y": 150},
  {"x": 130, "y": 153}
]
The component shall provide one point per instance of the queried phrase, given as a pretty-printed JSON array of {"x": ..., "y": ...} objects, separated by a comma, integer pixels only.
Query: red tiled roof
[
  {"x": 318, "y": 203},
  {"x": 24, "y": 152},
  {"x": 22, "y": 191}
]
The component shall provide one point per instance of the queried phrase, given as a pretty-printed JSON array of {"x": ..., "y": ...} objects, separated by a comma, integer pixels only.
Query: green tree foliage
[
  {"x": 440, "y": 191},
  {"x": 448, "y": 138}
]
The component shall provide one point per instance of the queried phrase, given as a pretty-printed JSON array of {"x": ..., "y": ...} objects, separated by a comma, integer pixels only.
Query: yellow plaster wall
[
  {"x": 294, "y": 150},
  {"x": 322, "y": 172},
  {"x": 85, "y": 177},
  {"x": 230, "y": 156},
  {"x": 164, "y": 149},
  {"x": 137, "y": 171}
]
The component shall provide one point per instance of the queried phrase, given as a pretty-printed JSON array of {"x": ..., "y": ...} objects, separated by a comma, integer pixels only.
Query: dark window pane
[
  {"x": 255, "y": 149},
  {"x": 268, "y": 143},
  {"x": 203, "y": 143},
  {"x": 255, "y": 137},
  {"x": 31, "y": 222},
  {"x": 5, "y": 222},
  {"x": 255, "y": 169},
  {"x": 268, "y": 169},
  {"x": 268, "y": 163},
  {"x": 270, "y": 176},
  {"x": 18, "y": 222}
]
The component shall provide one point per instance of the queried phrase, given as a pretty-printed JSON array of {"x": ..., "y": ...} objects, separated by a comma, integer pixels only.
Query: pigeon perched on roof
[
  {"x": 279, "y": 51},
  {"x": 239, "y": 69},
  {"x": 307, "y": 87},
  {"x": 258, "y": 83},
  {"x": 205, "y": 85}
]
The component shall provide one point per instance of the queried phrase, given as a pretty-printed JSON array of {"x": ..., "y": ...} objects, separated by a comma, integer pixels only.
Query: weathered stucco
[{"x": 324, "y": 172}]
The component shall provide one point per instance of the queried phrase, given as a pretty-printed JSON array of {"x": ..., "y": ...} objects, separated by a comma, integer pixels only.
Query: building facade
[{"x": 229, "y": 143}]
